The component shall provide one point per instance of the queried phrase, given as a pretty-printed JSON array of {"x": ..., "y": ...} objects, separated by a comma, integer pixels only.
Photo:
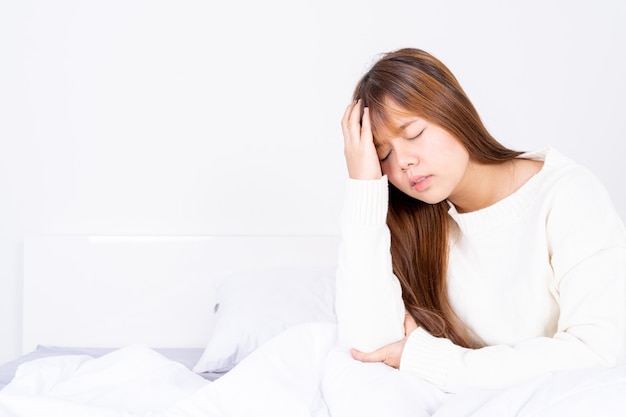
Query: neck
[{"x": 484, "y": 185}]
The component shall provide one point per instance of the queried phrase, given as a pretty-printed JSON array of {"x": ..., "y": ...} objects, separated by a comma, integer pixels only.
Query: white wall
[{"x": 200, "y": 117}]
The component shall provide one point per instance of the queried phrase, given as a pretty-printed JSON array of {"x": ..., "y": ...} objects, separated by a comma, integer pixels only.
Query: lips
[{"x": 419, "y": 182}]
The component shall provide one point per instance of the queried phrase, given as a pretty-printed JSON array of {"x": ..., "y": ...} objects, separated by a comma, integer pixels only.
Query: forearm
[
  {"x": 369, "y": 303},
  {"x": 591, "y": 332},
  {"x": 453, "y": 368}
]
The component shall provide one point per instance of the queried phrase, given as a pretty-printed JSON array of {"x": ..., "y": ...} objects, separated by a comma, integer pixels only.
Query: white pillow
[{"x": 256, "y": 305}]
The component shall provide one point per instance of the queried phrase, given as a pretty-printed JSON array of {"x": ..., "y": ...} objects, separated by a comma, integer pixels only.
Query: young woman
[{"x": 463, "y": 262}]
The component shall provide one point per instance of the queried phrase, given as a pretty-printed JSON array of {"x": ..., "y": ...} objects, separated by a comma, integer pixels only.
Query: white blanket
[{"x": 298, "y": 373}]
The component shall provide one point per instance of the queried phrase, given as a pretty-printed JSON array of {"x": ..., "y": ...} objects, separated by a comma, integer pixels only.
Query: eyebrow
[
  {"x": 378, "y": 144},
  {"x": 410, "y": 122}
]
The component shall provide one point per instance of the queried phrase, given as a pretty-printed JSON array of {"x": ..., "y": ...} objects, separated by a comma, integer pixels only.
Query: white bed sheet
[{"x": 298, "y": 373}]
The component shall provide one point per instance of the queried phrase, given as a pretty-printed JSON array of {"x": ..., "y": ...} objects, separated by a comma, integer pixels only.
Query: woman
[{"x": 463, "y": 262}]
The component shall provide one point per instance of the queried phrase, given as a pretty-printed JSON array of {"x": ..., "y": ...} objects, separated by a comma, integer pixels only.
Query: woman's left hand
[{"x": 391, "y": 353}]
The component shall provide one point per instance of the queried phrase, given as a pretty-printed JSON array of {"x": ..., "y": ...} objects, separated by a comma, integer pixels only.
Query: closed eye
[
  {"x": 417, "y": 136},
  {"x": 383, "y": 152}
]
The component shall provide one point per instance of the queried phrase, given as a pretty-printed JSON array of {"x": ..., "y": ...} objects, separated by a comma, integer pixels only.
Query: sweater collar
[{"x": 510, "y": 207}]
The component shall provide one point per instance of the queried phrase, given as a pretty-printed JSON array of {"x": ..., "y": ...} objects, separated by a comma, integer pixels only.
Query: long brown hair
[{"x": 422, "y": 85}]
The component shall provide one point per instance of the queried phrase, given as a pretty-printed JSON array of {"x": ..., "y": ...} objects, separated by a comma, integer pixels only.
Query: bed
[{"x": 227, "y": 326}]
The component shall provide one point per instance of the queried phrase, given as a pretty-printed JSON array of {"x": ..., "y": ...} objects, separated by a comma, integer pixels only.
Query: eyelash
[
  {"x": 418, "y": 135},
  {"x": 413, "y": 138}
]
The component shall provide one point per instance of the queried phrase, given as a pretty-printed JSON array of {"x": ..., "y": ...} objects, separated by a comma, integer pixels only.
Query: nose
[
  {"x": 406, "y": 166},
  {"x": 405, "y": 159}
]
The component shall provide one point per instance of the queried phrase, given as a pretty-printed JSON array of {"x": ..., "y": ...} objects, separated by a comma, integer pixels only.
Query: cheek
[
  {"x": 389, "y": 170},
  {"x": 385, "y": 167},
  {"x": 398, "y": 180}
]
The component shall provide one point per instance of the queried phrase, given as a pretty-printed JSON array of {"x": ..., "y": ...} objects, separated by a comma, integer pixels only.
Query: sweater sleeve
[
  {"x": 587, "y": 247},
  {"x": 369, "y": 306}
]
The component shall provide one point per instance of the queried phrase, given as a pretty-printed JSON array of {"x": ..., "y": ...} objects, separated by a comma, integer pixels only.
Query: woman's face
[{"x": 423, "y": 160}]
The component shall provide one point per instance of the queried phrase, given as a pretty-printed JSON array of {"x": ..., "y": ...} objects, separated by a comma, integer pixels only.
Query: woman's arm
[
  {"x": 586, "y": 245},
  {"x": 369, "y": 305},
  {"x": 590, "y": 334}
]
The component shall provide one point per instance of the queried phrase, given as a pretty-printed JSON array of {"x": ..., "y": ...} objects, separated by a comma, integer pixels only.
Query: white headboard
[{"x": 110, "y": 291}]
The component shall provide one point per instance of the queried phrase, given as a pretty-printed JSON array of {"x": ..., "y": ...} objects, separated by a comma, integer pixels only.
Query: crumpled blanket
[{"x": 301, "y": 372}]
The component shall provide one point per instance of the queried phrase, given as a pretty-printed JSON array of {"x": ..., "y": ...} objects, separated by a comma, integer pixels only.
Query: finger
[
  {"x": 366, "y": 125},
  {"x": 351, "y": 131},
  {"x": 375, "y": 356},
  {"x": 365, "y": 118},
  {"x": 410, "y": 328},
  {"x": 346, "y": 115},
  {"x": 349, "y": 113},
  {"x": 354, "y": 121},
  {"x": 409, "y": 324}
]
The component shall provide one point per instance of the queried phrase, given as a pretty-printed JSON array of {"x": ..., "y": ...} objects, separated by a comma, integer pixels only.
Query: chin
[
  {"x": 426, "y": 197},
  {"x": 431, "y": 201}
]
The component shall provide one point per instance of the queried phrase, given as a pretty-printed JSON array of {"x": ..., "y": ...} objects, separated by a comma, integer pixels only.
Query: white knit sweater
[{"x": 540, "y": 276}]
